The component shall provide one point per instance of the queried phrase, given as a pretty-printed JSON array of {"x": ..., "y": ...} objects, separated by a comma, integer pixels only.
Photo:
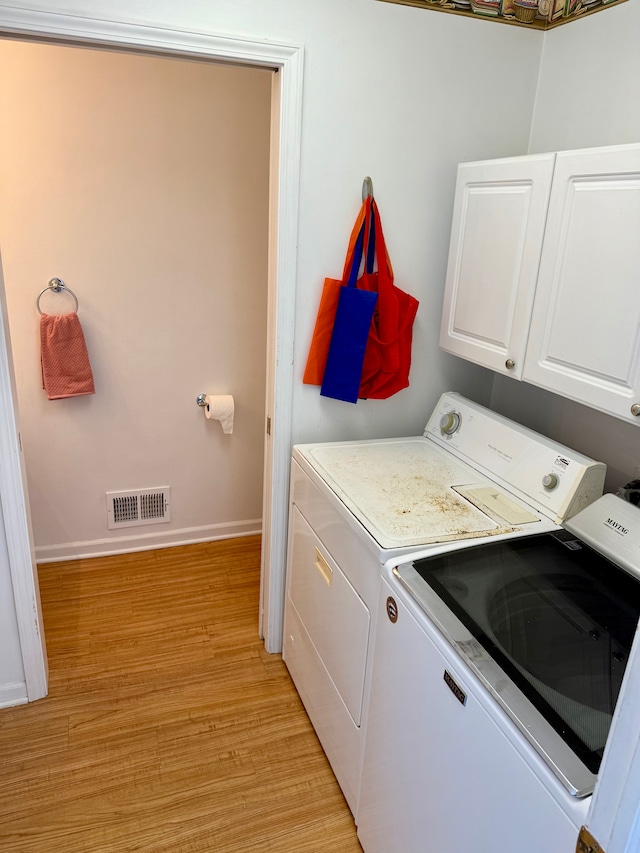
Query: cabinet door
[
  {"x": 584, "y": 341},
  {"x": 496, "y": 240}
]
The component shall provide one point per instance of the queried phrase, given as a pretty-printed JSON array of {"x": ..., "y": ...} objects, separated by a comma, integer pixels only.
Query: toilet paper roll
[{"x": 220, "y": 408}]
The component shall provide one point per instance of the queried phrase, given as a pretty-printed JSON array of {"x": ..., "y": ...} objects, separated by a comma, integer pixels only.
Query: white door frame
[
  {"x": 287, "y": 60},
  {"x": 17, "y": 522},
  {"x": 614, "y": 814}
]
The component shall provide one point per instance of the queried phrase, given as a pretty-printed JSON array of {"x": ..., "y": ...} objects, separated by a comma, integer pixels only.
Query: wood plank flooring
[{"x": 168, "y": 728}]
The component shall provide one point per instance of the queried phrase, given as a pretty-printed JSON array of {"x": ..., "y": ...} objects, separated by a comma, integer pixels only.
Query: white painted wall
[
  {"x": 590, "y": 83},
  {"x": 399, "y": 94},
  {"x": 405, "y": 113},
  {"x": 142, "y": 182},
  {"x": 588, "y": 95},
  {"x": 390, "y": 91}
]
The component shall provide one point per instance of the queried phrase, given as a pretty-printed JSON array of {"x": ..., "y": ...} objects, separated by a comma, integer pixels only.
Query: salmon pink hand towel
[{"x": 66, "y": 371}]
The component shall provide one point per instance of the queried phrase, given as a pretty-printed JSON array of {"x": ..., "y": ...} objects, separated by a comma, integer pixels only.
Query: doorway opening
[
  {"x": 283, "y": 179},
  {"x": 143, "y": 182}
]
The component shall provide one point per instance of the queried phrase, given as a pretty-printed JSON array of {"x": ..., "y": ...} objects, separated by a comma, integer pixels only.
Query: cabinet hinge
[{"x": 587, "y": 843}]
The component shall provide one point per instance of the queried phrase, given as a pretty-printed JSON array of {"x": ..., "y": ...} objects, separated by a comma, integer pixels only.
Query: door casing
[{"x": 287, "y": 63}]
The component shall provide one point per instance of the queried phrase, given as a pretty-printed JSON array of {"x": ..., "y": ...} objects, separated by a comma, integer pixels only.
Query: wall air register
[{"x": 138, "y": 507}]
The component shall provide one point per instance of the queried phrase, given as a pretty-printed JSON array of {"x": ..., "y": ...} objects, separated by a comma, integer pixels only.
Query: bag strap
[
  {"x": 367, "y": 237},
  {"x": 370, "y": 243},
  {"x": 357, "y": 258},
  {"x": 355, "y": 233},
  {"x": 389, "y": 326},
  {"x": 380, "y": 246}
]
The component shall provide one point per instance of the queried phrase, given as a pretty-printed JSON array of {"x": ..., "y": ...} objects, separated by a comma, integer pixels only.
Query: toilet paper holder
[{"x": 219, "y": 408}]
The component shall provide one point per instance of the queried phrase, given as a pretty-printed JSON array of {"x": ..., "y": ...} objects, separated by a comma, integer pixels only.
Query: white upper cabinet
[
  {"x": 543, "y": 282},
  {"x": 584, "y": 341},
  {"x": 499, "y": 213}
]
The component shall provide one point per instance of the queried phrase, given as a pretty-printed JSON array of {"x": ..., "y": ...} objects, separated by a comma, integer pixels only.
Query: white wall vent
[{"x": 137, "y": 507}]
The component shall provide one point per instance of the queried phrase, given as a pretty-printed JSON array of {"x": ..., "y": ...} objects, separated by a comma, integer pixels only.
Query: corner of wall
[{"x": 534, "y": 111}]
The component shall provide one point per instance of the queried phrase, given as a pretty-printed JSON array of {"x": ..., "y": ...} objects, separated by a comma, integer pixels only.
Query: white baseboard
[
  {"x": 13, "y": 694},
  {"x": 146, "y": 541}
]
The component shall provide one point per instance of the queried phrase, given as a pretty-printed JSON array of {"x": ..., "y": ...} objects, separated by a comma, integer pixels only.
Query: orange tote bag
[{"x": 319, "y": 349}]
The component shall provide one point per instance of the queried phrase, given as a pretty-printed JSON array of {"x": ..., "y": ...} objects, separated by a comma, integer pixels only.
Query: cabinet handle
[
  {"x": 324, "y": 568},
  {"x": 509, "y": 364},
  {"x": 635, "y": 409}
]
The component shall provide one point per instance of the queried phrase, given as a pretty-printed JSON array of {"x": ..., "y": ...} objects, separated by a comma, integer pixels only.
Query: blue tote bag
[{"x": 354, "y": 313}]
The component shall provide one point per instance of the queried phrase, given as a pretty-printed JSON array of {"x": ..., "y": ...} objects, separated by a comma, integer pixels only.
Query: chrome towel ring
[{"x": 56, "y": 284}]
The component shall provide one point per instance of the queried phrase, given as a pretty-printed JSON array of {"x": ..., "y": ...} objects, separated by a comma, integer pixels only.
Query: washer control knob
[
  {"x": 550, "y": 481},
  {"x": 449, "y": 423}
]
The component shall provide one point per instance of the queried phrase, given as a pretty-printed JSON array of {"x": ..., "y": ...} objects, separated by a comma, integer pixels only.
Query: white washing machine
[
  {"x": 496, "y": 672},
  {"x": 472, "y": 476}
]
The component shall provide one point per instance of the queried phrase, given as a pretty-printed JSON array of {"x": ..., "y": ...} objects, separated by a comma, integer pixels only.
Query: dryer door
[{"x": 333, "y": 614}]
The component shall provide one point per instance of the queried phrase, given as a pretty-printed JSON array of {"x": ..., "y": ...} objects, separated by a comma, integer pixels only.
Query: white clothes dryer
[{"x": 472, "y": 476}]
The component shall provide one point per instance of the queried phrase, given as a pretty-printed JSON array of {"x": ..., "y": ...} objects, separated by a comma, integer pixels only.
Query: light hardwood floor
[{"x": 168, "y": 728}]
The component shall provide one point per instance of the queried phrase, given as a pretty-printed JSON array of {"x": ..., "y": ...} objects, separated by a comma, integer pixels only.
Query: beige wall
[{"x": 142, "y": 183}]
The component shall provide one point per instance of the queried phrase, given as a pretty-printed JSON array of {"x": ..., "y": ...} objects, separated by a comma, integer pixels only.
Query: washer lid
[
  {"x": 403, "y": 492},
  {"x": 547, "y": 624}
]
